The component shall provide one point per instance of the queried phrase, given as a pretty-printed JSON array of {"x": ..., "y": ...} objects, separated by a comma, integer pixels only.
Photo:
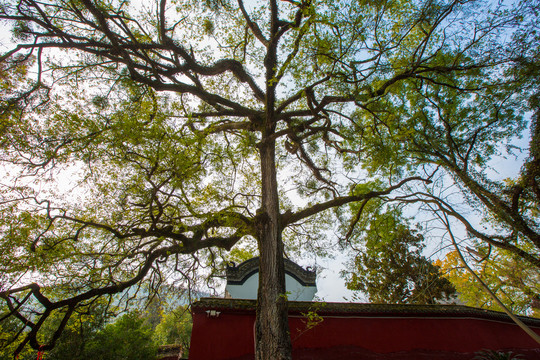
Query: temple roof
[
  {"x": 368, "y": 310},
  {"x": 237, "y": 275}
]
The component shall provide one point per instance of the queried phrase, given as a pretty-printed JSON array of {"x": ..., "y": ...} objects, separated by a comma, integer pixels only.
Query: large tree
[
  {"x": 142, "y": 138},
  {"x": 457, "y": 133}
]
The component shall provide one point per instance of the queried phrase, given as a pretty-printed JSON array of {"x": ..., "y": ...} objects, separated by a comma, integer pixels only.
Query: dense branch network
[{"x": 190, "y": 112}]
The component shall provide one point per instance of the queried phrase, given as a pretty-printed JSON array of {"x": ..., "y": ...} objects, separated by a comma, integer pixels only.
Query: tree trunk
[
  {"x": 272, "y": 338},
  {"x": 272, "y": 328}
]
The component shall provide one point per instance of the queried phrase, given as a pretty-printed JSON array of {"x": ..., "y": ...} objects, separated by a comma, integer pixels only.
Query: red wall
[{"x": 230, "y": 336}]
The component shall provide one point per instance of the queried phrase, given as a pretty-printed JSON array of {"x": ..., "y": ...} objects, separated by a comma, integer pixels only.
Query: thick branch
[
  {"x": 252, "y": 25},
  {"x": 289, "y": 218}
]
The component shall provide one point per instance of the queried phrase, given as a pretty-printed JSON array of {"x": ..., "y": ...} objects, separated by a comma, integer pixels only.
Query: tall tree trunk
[
  {"x": 272, "y": 338},
  {"x": 272, "y": 328}
]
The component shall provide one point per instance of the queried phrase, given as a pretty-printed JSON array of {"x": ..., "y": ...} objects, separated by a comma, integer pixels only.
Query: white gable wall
[{"x": 295, "y": 290}]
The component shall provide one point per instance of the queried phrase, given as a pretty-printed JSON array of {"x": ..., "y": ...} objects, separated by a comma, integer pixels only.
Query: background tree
[
  {"x": 514, "y": 281},
  {"x": 390, "y": 268},
  {"x": 80, "y": 331},
  {"x": 90, "y": 336},
  {"x": 175, "y": 328},
  {"x": 150, "y": 139},
  {"x": 72, "y": 343},
  {"x": 127, "y": 338}
]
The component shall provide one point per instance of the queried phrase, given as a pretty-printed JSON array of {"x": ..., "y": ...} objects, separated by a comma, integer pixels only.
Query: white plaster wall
[{"x": 248, "y": 290}]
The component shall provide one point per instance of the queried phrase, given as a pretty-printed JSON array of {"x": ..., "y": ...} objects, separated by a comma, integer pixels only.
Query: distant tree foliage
[
  {"x": 390, "y": 268},
  {"x": 128, "y": 336},
  {"x": 515, "y": 282},
  {"x": 175, "y": 329}
]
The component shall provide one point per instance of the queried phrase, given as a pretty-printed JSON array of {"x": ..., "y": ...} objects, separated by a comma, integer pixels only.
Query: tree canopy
[{"x": 142, "y": 141}]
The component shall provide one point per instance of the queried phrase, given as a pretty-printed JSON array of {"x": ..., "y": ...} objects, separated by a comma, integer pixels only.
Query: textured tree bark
[
  {"x": 272, "y": 328},
  {"x": 272, "y": 338}
]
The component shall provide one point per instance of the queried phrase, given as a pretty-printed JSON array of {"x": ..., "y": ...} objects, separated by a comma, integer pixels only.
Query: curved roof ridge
[{"x": 239, "y": 274}]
